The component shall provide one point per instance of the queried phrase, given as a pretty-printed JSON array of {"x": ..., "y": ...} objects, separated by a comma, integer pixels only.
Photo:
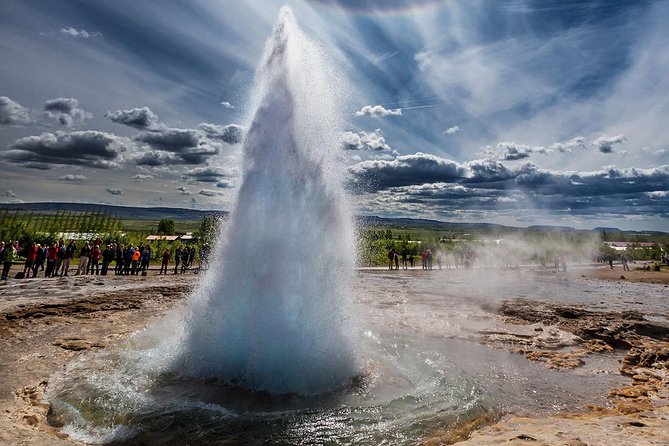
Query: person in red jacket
[
  {"x": 51, "y": 257},
  {"x": 31, "y": 253},
  {"x": 94, "y": 263},
  {"x": 166, "y": 261}
]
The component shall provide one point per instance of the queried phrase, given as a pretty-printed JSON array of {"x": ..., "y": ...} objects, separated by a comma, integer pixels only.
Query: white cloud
[
  {"x": 209, "y": 193},
  {"x": 66, "y": 111},
  {"x": 226, "y": 104},
  {"x": 13, "y": 113},
  {"x": 9, "y": 194},
  {"x": 378, "y": 111},
  {"x": 365, "y": 141},
  {"x": 567, "y": 146},
  {"x": 79, "y": 34},
  {"x": 451, "y": 130},
  {"x": 72, "y": 177}
]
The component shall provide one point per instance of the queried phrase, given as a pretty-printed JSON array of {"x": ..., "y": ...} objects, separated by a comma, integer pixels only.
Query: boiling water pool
[{"x": 424, "y": 372}]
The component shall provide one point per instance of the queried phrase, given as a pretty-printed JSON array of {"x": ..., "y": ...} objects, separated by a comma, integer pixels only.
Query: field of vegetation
[{"x": 476, "y": 244}]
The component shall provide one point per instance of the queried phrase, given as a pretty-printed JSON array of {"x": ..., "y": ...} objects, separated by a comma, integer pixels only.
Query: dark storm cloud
[
  {"x": 114, "y": 191},
  {"x": 607, "y": 181},
  {"x": 13, "y": 113},
  {"x": 424, "y": 181},
  {"x": 170, "y": 140},
  {"x": 139, "y": 118},
  {"x": 420, "y": 168},
  {"x": 187, "y": 146},
  {"x": 66, "y": 111},
  {"x": 605, "y": 143},
  {"x": 230, "y": 134},
  {"x": 200, "y": 154},
  {"x": 155, "y": 158},
  {"x": 80, "y": 148},
  {"x": 205, "y": 174}
]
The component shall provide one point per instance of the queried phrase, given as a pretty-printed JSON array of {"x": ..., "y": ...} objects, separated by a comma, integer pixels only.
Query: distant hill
[
  {"x": 125, "y": 212},
  {"x": 156, "y": 213},
  {"x": 425, "y": 223},
  {"x": 445, "y": 226}
]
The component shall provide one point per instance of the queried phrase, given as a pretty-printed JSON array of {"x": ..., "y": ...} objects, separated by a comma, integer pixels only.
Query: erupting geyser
[
  {"x": 276, "y": 317},
  {"x": 273, "y": 313}
]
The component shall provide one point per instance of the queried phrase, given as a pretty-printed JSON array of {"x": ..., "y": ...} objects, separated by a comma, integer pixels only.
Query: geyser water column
[{"x": 277, "y": 316}]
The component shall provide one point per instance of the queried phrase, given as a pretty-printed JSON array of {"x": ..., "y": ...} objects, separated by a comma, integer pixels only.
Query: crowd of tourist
[
  {"x": 95, "y": 258},
  {"x": 407, "y": 259}
]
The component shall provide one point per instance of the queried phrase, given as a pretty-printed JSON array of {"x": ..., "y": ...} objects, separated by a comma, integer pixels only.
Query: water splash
[{"x": 276, "y": 318}]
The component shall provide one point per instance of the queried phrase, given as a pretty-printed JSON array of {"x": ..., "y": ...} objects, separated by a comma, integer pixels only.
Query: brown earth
[
  {"x": 45, "y": 323},
  {"x": 636, "y": 274}
]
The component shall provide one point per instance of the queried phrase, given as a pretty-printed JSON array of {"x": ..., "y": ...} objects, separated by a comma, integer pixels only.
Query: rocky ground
[
  {"x": 45, "y": 323},
  {"x": 636, "y": 414}
]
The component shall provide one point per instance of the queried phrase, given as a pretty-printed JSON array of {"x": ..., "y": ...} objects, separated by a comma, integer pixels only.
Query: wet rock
[
  {"x": 650, "y": 356},
  {"x": 31, "y": 420},
  {"x": 75, "y": 344},
  {"x": 555, "y": 360}
]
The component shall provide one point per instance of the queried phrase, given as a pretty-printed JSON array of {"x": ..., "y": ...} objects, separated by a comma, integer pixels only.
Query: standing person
[
  {"x": 40, "y": 257},
  {"x": 30, "y": 259},
  {"x": 59, "y": 257},
  {"x": 107, "y": 257},
  {"x": 191, "y": 256},
  {"x": 397, "y": 261},
  {"x": 177, "y": 260},
  {"x": 67, "y": 257},
  {"x": 51, "y": 256},
  {"x": 423, "y": 259},
  {"x": 146, "y": 257},
  {"x": 7, "y": 258},
  {"x": 391, "y": 258},
  {"x": 84, "y": 256},
  {"x": 404, "y": 258},
  {"x": 429, "y": 259},
  {"x": 184, "y": 259},
  {"x": 623, "y": 259},
  {"x": 94, "y": 262},
  {"x": 136, "y": 255},
  {"x": 166, "y": 260},
  {"x": 118, "y": 268},
  {"x": 127, "y": 259}
]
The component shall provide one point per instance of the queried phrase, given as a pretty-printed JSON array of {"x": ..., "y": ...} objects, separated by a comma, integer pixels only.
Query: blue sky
[{"x": 517, "y": 112}]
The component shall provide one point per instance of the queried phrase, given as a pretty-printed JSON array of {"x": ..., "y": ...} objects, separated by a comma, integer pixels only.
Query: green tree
[
  {"x": 208, "y": 229},
  {"x": 166, "y": 226}
]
